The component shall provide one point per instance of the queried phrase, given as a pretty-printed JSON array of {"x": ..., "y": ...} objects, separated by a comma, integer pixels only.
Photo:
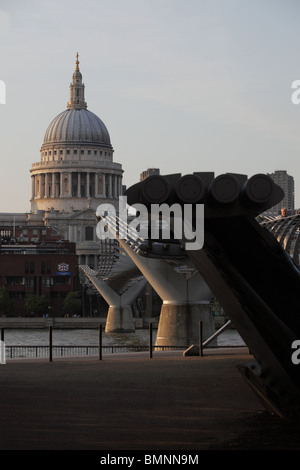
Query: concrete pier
[
  {"x": 179, "y": 324},
  {"x": 119, "y": 318},
  {"x": 185, "y": 301}
]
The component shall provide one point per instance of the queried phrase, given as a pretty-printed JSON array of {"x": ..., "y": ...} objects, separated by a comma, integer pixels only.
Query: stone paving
[{"x": 132, "y": 402}]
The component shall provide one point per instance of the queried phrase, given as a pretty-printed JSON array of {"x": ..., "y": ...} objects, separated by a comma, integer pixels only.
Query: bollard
[
  {"x": 150, "y": 340},
  {"x": 100, "y": 343},
  {"x": 2, "y": 348},
  {"x": 50, "y": 343},
  {"x": 2, "y": 353},
  {"x": 200, "y": 338}
]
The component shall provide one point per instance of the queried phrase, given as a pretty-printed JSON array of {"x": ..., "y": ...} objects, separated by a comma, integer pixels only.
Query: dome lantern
[{"x": 77, "y": 90}]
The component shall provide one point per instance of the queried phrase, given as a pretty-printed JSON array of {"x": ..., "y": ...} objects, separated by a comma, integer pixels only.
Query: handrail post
[
  {"x": 150, "y": 340},
  {"x": 100, "y": 342},
  {"x": 50, "y": 343},
  {"x": 200, "y": 338}
]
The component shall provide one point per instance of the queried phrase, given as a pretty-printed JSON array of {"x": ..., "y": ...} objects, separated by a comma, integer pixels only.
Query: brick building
[{"x": 36, "y": 261}]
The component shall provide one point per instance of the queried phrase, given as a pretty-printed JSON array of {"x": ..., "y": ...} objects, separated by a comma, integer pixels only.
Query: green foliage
[
  {"x": 72, "y": 304},
  {"x": 6, "y": 304},
  {"x": 36, "y": 304}
]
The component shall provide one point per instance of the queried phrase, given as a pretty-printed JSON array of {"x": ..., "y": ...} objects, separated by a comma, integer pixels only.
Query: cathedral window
[{"x": 89, "y": 233}]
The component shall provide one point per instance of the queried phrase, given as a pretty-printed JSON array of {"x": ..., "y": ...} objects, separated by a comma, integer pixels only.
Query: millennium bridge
[{"x": 248, "y": 262}]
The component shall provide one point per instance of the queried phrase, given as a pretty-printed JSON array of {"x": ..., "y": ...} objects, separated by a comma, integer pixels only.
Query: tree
[
  {"x": 72, "y": 304},
  {"x": 36, "y": 304},
  {"x": 6, "y": 304}
]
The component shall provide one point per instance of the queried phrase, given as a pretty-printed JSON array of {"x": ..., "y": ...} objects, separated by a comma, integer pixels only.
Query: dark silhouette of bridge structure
[{"x": 248, "y": 270}]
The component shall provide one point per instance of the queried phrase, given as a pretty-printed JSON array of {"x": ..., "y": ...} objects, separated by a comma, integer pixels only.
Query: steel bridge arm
[{"x": 249, "y": 272}]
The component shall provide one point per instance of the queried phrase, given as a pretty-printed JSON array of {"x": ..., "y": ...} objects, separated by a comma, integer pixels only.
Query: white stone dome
[{"x": 77, "y": 126}]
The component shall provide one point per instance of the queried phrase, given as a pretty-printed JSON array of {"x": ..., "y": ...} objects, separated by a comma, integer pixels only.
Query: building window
[
  {"x": 89, "y": 152},
  {"x": 100, "y": 184},
  {"x": 46, "y": 281},
  {"x": 89, "y": 233},
  {"x": 68, "y": 152},
  {"x": 54, "y": 152},
  {"x": 29, "y": 281},
  {"x": 75, "y": 151},
  {"x": 95, "y": 152},
  {"x": 45, "y": 267},
  {"x": 14, "y": 281},
  {"x": 61, "y": 280},
  {"x": 29, "y": 267},
  {"x": 82, "y": 152},
  {"x": 61, "y": 152}
]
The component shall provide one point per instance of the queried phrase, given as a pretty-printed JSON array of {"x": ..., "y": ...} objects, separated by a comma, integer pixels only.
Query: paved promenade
[{"x": 131, "y": 402}]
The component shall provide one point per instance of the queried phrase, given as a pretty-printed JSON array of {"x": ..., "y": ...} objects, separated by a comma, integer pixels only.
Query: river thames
[{"x": 90, "y": 337}]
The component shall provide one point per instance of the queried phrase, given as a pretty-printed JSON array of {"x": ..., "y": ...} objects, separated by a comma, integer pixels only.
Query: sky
[{"x": 181, "y": 85}]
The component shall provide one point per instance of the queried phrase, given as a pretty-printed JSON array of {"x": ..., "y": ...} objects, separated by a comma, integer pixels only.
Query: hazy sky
[{"x": 182, "y": 85}]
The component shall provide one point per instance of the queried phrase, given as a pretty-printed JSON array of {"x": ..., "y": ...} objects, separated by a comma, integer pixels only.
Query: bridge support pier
[
  {"x": 185, "y": 301},
  {"x": 179, "y": 324},
  {"x": 119, "y": 317},
  {"x": 119, "y": 320}
]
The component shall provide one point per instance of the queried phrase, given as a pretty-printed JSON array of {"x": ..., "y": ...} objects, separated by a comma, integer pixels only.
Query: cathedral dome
[
  {"x": 77, "y": 125},
  {"x": 76, "y": 170}
]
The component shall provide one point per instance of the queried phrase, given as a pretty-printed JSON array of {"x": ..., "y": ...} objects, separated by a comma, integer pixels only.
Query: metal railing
[
  {"x": 41, "y": 351},
  {"x": 49, "y": 351}
]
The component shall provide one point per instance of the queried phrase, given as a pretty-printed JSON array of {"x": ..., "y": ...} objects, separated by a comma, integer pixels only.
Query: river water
[{"x": 90, "y": 337}]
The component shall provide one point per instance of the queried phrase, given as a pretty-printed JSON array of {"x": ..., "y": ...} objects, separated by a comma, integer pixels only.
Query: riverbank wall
[
  {"x": 78, "y": 322},
  {"x": 65, "y": 323}
]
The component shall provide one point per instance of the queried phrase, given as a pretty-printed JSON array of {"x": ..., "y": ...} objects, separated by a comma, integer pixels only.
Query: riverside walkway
[{"x": 132, "y": 402}]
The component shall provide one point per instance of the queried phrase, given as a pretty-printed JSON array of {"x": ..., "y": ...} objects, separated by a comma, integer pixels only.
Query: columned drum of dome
[{"x": 76, "y": 170}]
